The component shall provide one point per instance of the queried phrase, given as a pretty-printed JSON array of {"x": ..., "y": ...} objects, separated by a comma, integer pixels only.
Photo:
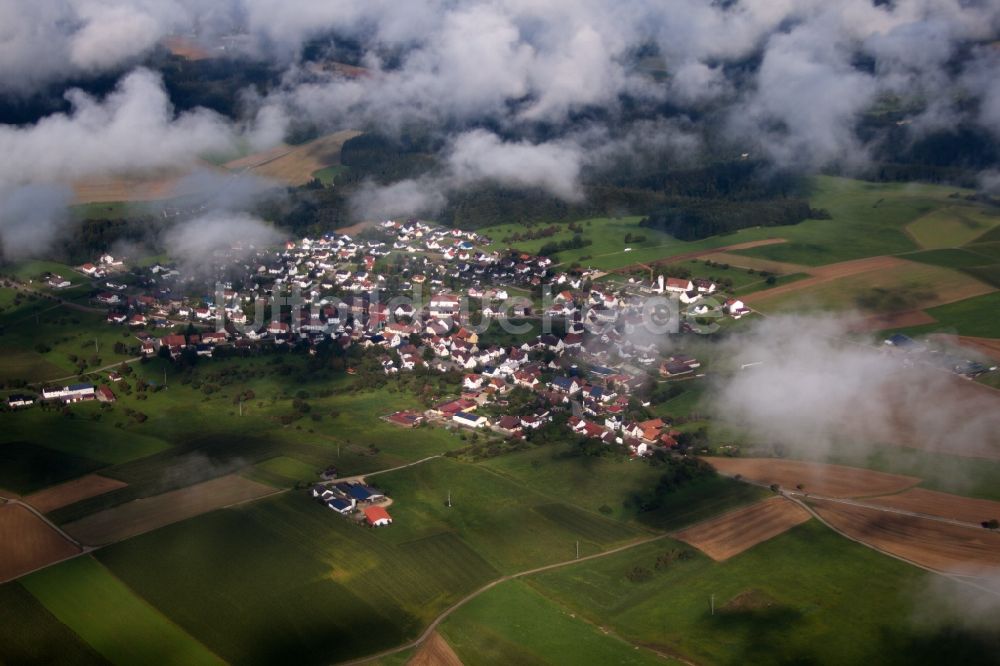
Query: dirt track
[
  {"x": 27, "y": 543},
  {"x": 144, "y": 515},
  {"x": 945, "y": 505},
  {"x": 742, "y": 261},
  {"x": 819, "y": 478},
  {"x": 734, "y": 532},
  {"x": 67, "y": 493},
  {"x": 927, "y": 542},
  {"x": 435, "y": 652}
]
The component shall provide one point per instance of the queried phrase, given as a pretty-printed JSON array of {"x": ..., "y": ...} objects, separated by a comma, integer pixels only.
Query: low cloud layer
[
  {"x": 215, "y": 239},
  {"x": 792, "y": 81},
  {"x": 816, "y": 393},
  {"x": 133, "y": 128}
]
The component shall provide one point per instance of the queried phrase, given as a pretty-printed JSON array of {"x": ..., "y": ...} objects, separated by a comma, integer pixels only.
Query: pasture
[
  {"x": 806, "y": 596},
  {"x": 866, "y": 220},
  {"x": 287, "y": 579},
  {"x": 887, "y": 288},
  {"x": 118, "y": 625},
  {"x": 26, "y": 467},
  {"x": 513, "y": 623},
  {"x": 510, "y": 524},
  {"x": 952, "y": 226},
  {"x": 615, "y": 487},
  {"x": 975, "y": 317},
  {"x": 31, "y": 635}
]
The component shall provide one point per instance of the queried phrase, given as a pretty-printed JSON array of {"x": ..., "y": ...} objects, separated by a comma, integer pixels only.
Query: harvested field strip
[
  {"x": 105, "y": 613},
  {"x": 67, "y": 493},
  {"x": 892, "y": 321},
  {"x": 943, "y": 505},
  {"x": 296, "y": 165},
  {"x": 27, "y": 542},
  {"x": 742, "y": 261},
  {"x": 898, "y": 287},
  {"x": 732, "y": 533},
  {"x": 818, "y": 478},
  {"x": 144, "y": 515},
  {"x": 830, "y": 272},
  {"x": 930, "y": 543}
]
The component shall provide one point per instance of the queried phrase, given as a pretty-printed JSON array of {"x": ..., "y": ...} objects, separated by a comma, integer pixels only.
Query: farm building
[
  {"x": 341, "y": 506},
  {"x": 16, "y": 400},
  {"x": 406, "y": 419},
  {"x": 470, "y": 420},
  {"x": 72, "y": 393},
  {"x": 363, "y": 493},
  {"x": 376, "y": 516}
]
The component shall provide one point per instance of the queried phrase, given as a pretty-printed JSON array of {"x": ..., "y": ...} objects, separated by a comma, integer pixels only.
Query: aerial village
[{"x": 587, "y": 363}]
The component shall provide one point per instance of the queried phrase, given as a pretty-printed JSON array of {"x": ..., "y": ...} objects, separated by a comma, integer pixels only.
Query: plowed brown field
[
  {"x": 435, "y": 652},
  {"x": 732, "y": 533},
  {"x": 927, "y": 542},
  {"x": 27, "y": 543},
  {"x": 818, "y": 478},
  {"x": 945, "y": 505},
  {"x": 144, "y": 515},
  {"x": 295, "y": 165},
  {"x": 64, "y": 494}
]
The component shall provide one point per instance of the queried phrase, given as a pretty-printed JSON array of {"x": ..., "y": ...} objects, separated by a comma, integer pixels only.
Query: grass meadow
[
  {"x": 807, "y": 596},
  {"x": 513, "y": 623},
  {"x": 285, "y": 579},
  {"x": 119, "y": 626},
  {"x": 32, "y": 635}
]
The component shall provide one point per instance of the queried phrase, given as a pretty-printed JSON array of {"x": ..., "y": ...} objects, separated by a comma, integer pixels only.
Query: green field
[
  {"x": 283, "y": 472},
  {"x": 808, "y": 596},
  {"x": 31, "y": 635},
  {"x": 26, "y": 467},
  {"x": 867, "y": 219},
  {"x": 609, "y": 486},
  {"x": 977, "y": 317},
  {"x": 895, "y": 289},
  {"x": 327, "y": 175},
  {"x": 81, "y": 594},
  {"x": 513, "y": 624},
  {"x": 952, "y": 226},
  {"x": 80, "y": 436},
  {"x": 286, "y": 579},
  {"x": 511, "y": 524}
]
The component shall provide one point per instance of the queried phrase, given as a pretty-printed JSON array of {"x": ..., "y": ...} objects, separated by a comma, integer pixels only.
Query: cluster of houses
[
  {"x": 348, "y": 288},
  {"x": 347, "y": 498}
]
